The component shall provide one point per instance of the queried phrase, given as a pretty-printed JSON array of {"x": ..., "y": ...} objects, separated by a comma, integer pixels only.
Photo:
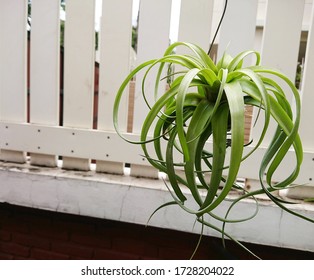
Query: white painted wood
[
  {"x": 282, "y": 33},
  {"x": 13, "y": 48},
  {"x": 154, "y": 18},
  {"x": 13, "y": 60},
  {"x": 108, "y": 146},
  {"x": 306, "y": 126},
  {"x": 115, "y": 48},
  {"x": 45, "y": 49},
  {"x": 195, "y": 26},
  {"x": 121, "y": 197},
  {"x": 143, "y": 171},
  {"x": 195, "y": 22},
  {"x": 12, "y": 156},
  {"x": 44, "y": 67},
  {"x": 250, "y": 167},
  {"x": 72, "y": 163},
  {"x": 38, "y": 159},
  {"x": 300, "y": 192},
  {"x": 70, "y": 142},
  {"x": 280, "y": 46},
  {"x": 238, "y": 28},
  {"x": 79, "y": 63},
  {"x": 110, "y": 167}
]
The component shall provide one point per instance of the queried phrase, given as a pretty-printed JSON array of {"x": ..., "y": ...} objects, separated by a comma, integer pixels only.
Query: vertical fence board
[
  {"x": 195, "y": 22},
  {"x": 306, "y": 126},
  {"x": 238, "y": 28},
  {"x": 282, "y": 31},
  {"x": 195, "y": 25},
  {"x": 280, "y": 46},
  {"x": 79, "y": 63},
  {"x": 13, "y": 49},
  {"x": 237, "y": 34},
  {"x": 44, "y": 68},
  {"x": 115, "y": 48},
  {"x": 154, "y": 19},
  {"x": 307, "y": 130}
]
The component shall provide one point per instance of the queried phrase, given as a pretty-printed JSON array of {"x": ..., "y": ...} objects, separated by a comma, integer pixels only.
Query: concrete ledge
[{"x": 129, "y": 199}]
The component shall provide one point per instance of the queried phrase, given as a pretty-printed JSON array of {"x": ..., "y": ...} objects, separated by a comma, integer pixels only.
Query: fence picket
[
  {"x": 79, "y": 63},
  {"x": 237, "y": 34},
  {"x": 154, "y": 18},
  {"x": 238, "y": 27},
  {"x": 306, "y": 130},
  {"x": 13, "y": 49},
  {"x": 115, "y": 49},
  {"x": 306, "y": 127},
  {"x": 280, "y": 46},
  {"x": 76, "y": 142},
  {"x": 195, "y": 22},
  {"x": 44, "y": 68}
]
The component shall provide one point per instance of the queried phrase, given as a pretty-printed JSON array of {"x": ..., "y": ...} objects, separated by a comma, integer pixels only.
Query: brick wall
[{"x": 36, "y": 234}]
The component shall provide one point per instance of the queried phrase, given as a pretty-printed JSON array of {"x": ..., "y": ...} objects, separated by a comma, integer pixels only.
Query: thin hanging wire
[{"x": 222, "y": 16}]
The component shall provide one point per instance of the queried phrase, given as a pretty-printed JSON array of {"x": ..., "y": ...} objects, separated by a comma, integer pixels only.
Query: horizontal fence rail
[{"x": 59, "y": 76}]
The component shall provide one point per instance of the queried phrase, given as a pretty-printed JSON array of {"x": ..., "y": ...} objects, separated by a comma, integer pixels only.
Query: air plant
[{"x": 206, "y": 103}]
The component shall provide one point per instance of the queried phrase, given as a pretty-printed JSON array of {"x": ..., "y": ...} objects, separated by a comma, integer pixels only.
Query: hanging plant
[{"x": 206, "y": 102}]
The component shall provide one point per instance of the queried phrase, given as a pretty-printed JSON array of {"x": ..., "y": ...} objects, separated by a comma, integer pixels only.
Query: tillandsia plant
[{"x": 207, "y": 100}]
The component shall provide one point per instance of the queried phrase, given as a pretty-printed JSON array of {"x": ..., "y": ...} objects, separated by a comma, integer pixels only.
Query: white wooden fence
[{"x": 42, "y": 140}]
